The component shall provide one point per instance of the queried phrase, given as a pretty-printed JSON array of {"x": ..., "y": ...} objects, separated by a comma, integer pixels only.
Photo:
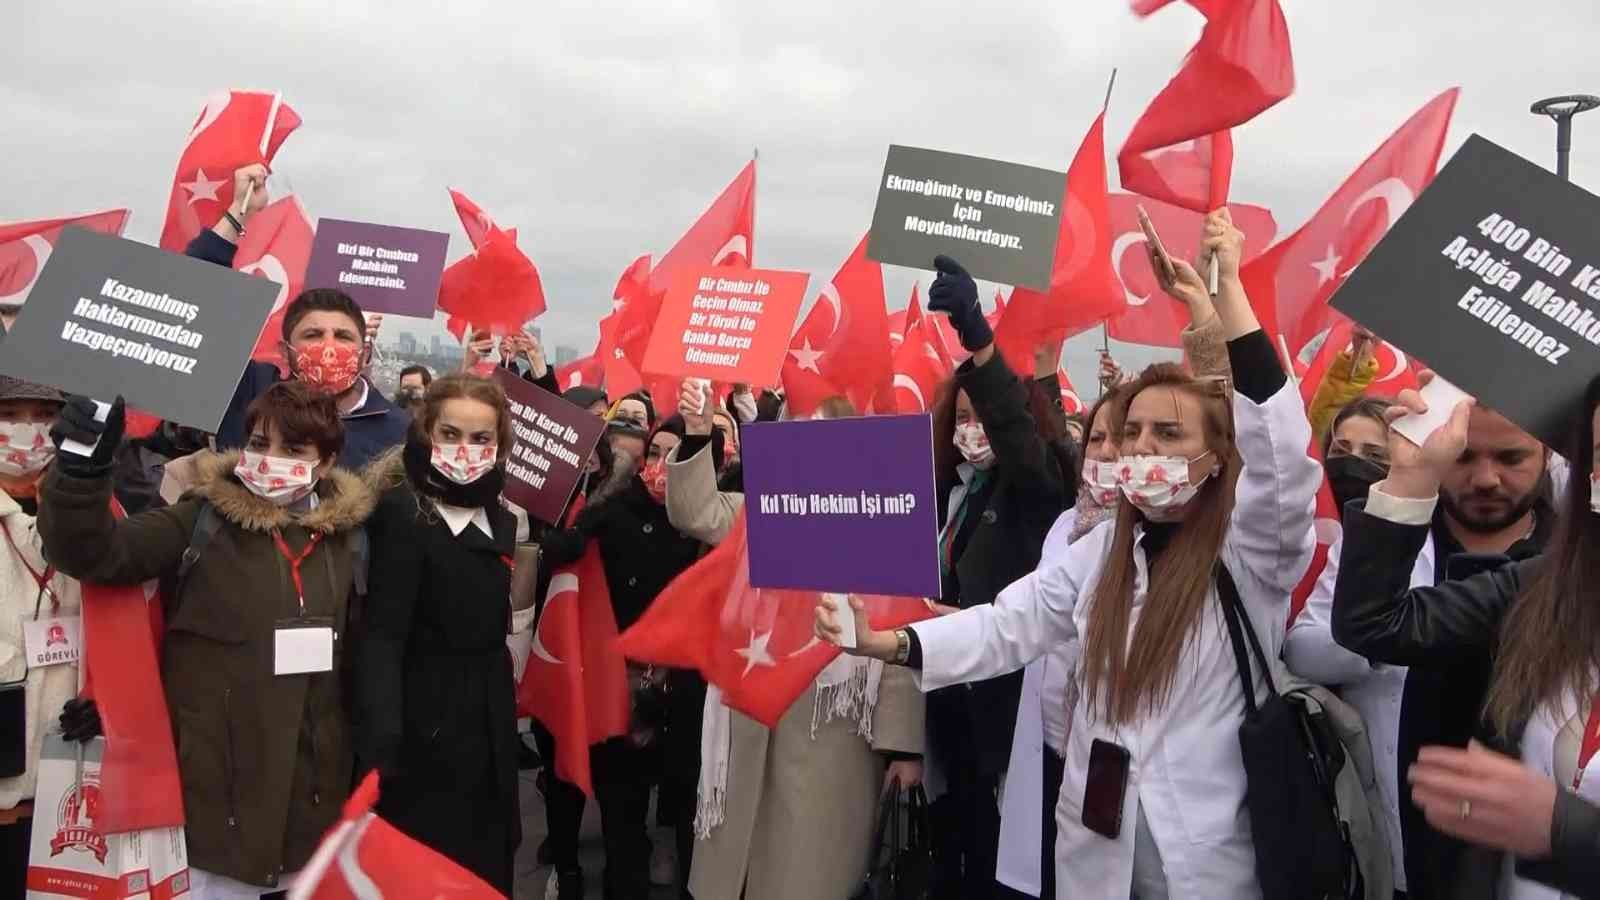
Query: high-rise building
[
  {"x": 565, "y": 354},
  {"x": 408, "y": 344},
  {"x": 435, "y": 346}
]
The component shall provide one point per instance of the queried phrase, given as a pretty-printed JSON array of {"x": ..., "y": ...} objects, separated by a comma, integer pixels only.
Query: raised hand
[
  {"x": 955, "y": 294},
  {"x": 1416, "y": 471}
]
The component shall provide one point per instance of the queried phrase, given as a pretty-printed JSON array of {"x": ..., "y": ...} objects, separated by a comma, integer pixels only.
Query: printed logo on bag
[{"x": 75, "y": 817}]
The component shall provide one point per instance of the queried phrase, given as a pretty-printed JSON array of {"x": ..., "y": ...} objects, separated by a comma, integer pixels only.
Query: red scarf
[{"x": 139, "y": 772}]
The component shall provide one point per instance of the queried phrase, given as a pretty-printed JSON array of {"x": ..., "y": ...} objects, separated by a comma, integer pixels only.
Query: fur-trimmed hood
[{"x": 344, "y": 501}]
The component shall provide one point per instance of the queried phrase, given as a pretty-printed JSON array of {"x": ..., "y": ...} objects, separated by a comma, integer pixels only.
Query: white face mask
[
  {"x": 25, "y": 448},
  {"x": 1100, "y": 480},
  {"x": 1158, "y": 484},
  {"x": 974, "y": 445},
  {"x": 463, "y": 463},
  {"x": 275, "y": 479},
  {"x": 1594, "y": 493}
]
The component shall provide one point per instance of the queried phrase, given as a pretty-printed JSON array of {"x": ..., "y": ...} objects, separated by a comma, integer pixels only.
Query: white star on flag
[
  {"x": 756, "y": 654},
  {"x": 201, "y": 188},
  {"x": 806, "y": 357},
  {"x": 1327, "y": 267}
]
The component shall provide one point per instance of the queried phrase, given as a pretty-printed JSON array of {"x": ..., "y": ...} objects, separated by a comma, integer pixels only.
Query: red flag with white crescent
[
  {"x": 277, "y": 247},
  {"x": 234, "y": 129},
  {"x": 576, "y": 680},
  {"x": 26, "y": 246},
  {"x": 756, "y": 644},
  {"x": 842, "y": 346}
]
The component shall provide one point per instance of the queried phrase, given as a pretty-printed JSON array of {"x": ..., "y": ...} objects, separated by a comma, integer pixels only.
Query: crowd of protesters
[{"x": 1073, "y": 706}]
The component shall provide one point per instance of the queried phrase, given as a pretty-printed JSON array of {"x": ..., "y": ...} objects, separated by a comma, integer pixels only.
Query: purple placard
[
  {"x": 387, "y": 269},
  {"x": 550, "y": 447},
  {"x": 843, "y": 505}
]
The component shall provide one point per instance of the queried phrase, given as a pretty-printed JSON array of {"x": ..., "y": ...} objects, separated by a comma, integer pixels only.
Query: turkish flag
[
  {"x": 234, "y": 129},
  {"x": 620, "y": 377},
  {"x": 26, "y": 246},
  {"x": 363, "y": 857},
  {"x": 277, "y": 247},
  {"x": 576, "y": 681},
  {"x": 1151, "y": 316},
  {"x": 724, "y": 235},
  {"x": 496, "y": 287},
  {"x": 588, "y": 371},
  {"x": 842, "y": 346},
  {"x": 938, "y": 331},
  {"x": 1083, "y": 286},
  {"x": 1071, "y": 403},
  {"x": 1180, "y": 150},
  {"x": 999, "y": 309},
  {"x": 122, "y": 627},
  {"x": 1290, "y": 284},
  {"x": 1328, "y": 530},
  {"x": 756, "y": 644},
  {"x": 918, "y": 370},
  {"x": 1207, "y": 8}
]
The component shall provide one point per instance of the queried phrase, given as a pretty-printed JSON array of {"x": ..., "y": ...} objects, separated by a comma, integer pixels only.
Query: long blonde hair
[{"x": 1125, "y": 679}]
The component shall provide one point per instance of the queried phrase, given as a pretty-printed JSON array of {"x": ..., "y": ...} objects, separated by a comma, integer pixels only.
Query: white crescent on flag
[
  {"x": 560, "y": 585},
  {"x": 41, "y": 254}
]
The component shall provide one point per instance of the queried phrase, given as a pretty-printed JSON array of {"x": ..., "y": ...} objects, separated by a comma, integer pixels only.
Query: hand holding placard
[
  {"x": 87, "y": 433},
  {"x": 1427, "y": 435}
]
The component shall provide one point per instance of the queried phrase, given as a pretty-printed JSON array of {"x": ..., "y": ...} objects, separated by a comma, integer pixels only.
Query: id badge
[
  {"x": 52, "y": 640},
  {"x": 301, "y": 646}
]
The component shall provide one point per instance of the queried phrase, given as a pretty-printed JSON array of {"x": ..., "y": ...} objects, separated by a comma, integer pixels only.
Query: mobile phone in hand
[{"x": 1166, "y": 272}]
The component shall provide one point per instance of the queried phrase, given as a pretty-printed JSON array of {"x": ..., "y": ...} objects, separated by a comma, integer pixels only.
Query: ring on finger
[{"x": 1466, "y": 810}]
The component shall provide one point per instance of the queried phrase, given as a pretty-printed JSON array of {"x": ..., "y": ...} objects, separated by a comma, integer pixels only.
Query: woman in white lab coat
[{"x": 1157, "y": 677}]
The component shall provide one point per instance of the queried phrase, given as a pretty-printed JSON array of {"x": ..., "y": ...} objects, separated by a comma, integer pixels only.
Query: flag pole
[
  {"x": 1105, "y": 328},
  {"x": 1109, "y": 85}
]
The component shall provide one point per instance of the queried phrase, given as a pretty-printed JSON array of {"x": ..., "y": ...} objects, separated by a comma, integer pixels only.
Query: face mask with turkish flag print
[
  {"x": 328, "y": 366},
  {"x": 654, "y": 476},
  {"x": 25, "y": 448},
  {"x": 1158, "y": 485},
  {"x": 275, "y": 479},
  {"x": 463, "y": 463}
]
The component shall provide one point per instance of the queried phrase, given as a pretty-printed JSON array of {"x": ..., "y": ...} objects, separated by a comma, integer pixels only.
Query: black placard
[
  {"x": 1493, "y": 279},
  {"x": 1000, "y": 219},
  {"x": 110, "y": 316}
]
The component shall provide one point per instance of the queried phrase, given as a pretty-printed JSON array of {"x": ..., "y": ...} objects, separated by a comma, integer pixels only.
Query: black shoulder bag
[
  {"x": 1302, "y": 848},
  {"x": 900, "y": 867}
]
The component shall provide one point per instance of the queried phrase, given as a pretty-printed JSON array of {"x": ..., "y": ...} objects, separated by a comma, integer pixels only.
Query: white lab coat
[
  {"x": 1044, "y": 693},
  {"x": 1374, "y": 689},
  {"x": 1186, "y": 765}
]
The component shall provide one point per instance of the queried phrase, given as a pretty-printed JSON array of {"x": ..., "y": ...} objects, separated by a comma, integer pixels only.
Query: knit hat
[{"x": 17, "y": 389}]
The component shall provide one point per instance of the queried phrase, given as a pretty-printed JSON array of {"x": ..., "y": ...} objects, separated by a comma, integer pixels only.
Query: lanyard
[
  {"x": 1590, "y": 745},
  {"x": 43, "y": 580},
  {"x": 295, "y": 561}
]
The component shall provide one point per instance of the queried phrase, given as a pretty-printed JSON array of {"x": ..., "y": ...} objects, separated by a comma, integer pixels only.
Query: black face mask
[
  {"x": 425, "y": 479},
  {"x": 1350, "y": 477}
]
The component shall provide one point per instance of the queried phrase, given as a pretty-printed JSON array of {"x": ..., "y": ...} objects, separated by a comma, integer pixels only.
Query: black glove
[
  {"x": 80, "y": 720},
  {"x": 77, "y": 422},
  {"x": 955, "y": 294}
]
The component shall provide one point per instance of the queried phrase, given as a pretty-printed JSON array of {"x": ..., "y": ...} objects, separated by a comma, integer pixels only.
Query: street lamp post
[{"x": 1562, "y": 109}]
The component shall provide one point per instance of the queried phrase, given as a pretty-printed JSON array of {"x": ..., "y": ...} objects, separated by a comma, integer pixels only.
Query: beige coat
[{"x": 800, "y": 810}]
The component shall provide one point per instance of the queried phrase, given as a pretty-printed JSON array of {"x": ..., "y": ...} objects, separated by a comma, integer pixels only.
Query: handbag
[
  {"x": 1291, "y": 759},
  {"x": 901, "y": 865}
]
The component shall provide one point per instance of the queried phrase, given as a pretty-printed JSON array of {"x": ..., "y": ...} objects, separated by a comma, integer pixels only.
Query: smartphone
[
  {"x": 1105, "y": 788},
  {"x": 1168, "y": 273}
]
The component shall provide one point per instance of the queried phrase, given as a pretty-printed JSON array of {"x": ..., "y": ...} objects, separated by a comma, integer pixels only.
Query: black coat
[
  {"x": 1378, "y": 614},
  {"x": 1025, "y": 494},
  {"x": 437, "y": 710},
  {"x": 639, "y": 548}
]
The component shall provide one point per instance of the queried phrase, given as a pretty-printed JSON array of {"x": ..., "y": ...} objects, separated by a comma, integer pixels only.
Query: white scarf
[{"x": 846, "y": 689}]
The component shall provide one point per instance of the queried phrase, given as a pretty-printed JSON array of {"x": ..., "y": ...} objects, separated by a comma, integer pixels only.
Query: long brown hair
[
  {"x": 1550, "y": 639},
  {"x": 1048, "y": 423},
  {"x": 472, "y": 387},
  {"x": 1125, "y": 679}
]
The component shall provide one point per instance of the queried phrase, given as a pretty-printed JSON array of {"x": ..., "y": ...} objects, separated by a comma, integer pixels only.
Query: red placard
[{"x": 728, "y": 325}]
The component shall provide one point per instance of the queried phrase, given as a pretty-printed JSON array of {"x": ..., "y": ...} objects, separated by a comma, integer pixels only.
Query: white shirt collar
[
  {"x": 459, "y": 517},
  {"x": 366, "y": 389}
]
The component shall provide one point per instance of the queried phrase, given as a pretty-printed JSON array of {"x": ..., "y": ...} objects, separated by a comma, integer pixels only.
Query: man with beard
[{"x": 1494, "y": 505}]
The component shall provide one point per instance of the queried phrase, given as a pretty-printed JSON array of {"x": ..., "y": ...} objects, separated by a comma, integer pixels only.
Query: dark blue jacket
[{"x": 368, "y": 430}]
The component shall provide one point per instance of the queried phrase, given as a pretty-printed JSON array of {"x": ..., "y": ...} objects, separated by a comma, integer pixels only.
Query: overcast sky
[{"x": 601, "y": 129}]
